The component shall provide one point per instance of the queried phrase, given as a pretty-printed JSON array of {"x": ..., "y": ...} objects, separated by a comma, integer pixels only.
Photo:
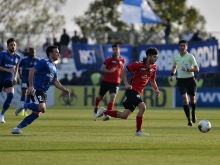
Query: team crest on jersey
[
  {"x": 143, "y": 68},
  {"x": 16, "y": 60},
  {"x": 151, "y": 70},
  {"x": 120, "y": 62},
  {"x": 138, "y": 96}
]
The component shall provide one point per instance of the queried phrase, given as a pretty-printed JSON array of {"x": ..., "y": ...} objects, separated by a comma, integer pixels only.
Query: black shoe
[{"x": 190, "y": 123}]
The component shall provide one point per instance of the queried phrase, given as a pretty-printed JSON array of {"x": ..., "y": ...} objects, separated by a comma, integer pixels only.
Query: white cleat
[
  {"x": 2, "y": 119},
  {"x": 19, "y": 108},
  {"x": 106, "y": 118},
  {"x": 16, "y": 131},
  {"x": 100, "y": 113},
  {"x": 141, "y": 133}
]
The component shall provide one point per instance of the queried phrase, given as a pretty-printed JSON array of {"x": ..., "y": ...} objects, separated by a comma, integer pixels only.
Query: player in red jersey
[
  {"x": 143, "y": 71},
  {"x": 112, "y": 68}
]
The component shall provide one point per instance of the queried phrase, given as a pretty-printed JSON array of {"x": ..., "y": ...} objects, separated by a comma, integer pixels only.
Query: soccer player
[
  {"x": 40, "y": 78},
  {"x": 185, "y": 64},
  {"x": 9, "y": 60},
  {"x": 26, "y": 64},
  {"x": 143, "y": 71},
  {"x": 112, "y": 68}
]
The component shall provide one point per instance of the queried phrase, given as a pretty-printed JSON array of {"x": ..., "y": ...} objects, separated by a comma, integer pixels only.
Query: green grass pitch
[{"x": 69, "y": 136}]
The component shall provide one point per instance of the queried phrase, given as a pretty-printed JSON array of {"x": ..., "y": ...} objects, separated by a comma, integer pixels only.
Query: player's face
[
  {"x": 153, "y": 59},
  {"x": 55, "y": 54},
  {"x": 116, "y": 51},
  {"x": 12, "y": 47},
  {"x": 32, "y": 53},
  {"x": 183, "y": 47}
]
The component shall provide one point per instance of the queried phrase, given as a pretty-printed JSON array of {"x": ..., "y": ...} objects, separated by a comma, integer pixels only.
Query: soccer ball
[{"x": 204, "y": 126}]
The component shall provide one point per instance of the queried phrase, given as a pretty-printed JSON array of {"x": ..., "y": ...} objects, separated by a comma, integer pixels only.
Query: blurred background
[{"x": 86, "y": 29}]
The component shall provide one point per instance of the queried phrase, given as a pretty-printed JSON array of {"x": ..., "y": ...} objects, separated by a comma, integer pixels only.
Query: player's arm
[
  {"x": 124, "y": 78},
  {"x": 104, "y": 69},
  {"x": 15, "y": 74},
  {"x": 173, "y": 72},
  {"x": 11, "y": 70},
  {"x": 31, "y": 80},
  {"x": 154, "y": 85},
  {"x": 61, "y": 87}
]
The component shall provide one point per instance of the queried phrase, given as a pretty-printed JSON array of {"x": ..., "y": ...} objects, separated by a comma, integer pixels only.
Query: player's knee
[
  {"x": 10, "y": 97},
  {"x": 42, "y": 109}
]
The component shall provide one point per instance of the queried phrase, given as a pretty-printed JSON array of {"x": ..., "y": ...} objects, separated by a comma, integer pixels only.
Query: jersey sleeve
[
  {"x": 40, "y": 65},
  {"x": 132, "y": 67},
  {"x": 106, "y": 62},
  {"x": 193, "y": 60},
  {"x": 154, "y": 73},
  {"x": 21, "y": 63},
  {"x": 1, "y": 57}
]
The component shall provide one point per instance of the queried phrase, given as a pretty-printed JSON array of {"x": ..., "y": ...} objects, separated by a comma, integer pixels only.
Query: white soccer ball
[{"x": 204, "y": 126}]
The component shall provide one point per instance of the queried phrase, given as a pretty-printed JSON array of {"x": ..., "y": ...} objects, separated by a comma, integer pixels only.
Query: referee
[{"x": 185, "y": 64}]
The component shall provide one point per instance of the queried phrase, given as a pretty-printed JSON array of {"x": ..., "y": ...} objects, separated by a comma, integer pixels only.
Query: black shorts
[
  {"x": 187, "y": 85},
  {"x": 133, "y": 99},
  {"x": 24, "y": 85},
  {"x": 107, "y": 86},
  {"x": 6, "y": 85},
  {"x": 38, "y": 97}
]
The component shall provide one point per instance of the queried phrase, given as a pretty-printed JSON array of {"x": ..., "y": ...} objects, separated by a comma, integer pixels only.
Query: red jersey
[
  {"x": 141, "y": 75},
  {"x": 111, "y": 62}
]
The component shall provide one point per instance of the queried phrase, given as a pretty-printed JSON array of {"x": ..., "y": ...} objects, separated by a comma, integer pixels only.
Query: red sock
[
  {"x": 97, "y": 102},
  {"x": 112, "y": 113},
  {"x": 139, "y": 121},
  {"x": 110, "y": 106}
]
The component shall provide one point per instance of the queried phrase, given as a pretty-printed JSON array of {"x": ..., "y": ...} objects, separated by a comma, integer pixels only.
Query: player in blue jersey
[
  {"x": 41, "y": 76},
  {"x": 26, "y": 64},
  {"x": 8, "y": 74}
]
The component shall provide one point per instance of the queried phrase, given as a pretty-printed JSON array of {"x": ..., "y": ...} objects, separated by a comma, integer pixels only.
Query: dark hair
[
  {"x": 183, "y": 42},
  {"x": 50, "y": 49},
  {"x": 115, "y": 46},
  {"x": 150, "y": 52},
  {"x": 10, "y": 40}
]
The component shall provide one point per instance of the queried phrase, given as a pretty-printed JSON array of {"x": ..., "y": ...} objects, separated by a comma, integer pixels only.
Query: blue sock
[
  {"x": 7, "y": 103},
  {"x": 28, "y": 100},
  {"x": 31, "y": 106},
  {"x": 28, "y": 120},
  {"x": 23, "y": 98}
]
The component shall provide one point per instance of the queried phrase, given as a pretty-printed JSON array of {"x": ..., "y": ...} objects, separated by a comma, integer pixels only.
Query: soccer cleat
[
  {"x": 106, "y": 118},
  {"x": 19, "y": 108},
  {"x": 94, "y": 114},
  {"x": 21, "y": 113},
  {"x": 100, "y": 113},
  {"x": 190, "y": 123},
  {"x": 194, "y": 118},
  {"x": 16, "y": 131},
  {"x": 2, "y": 119},
  {"x": 141, "y": 133}
]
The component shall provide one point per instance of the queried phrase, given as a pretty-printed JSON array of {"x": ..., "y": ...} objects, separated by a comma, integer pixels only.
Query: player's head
[
  {"x": 32, "y": 52},
  {"x": 116, "y": 50},
  {"x": 151, "y": 56},
  {"x": 11, "y": 44},
  {"x": 53, "y": 52},
  {"x": 183, "y": 46}
]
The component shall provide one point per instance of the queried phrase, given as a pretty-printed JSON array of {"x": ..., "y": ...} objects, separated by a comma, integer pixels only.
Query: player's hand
[
  {"x": 171, "y": 78},
  {"x": 30, "y": 90},
  {"x": 113, "y": 69},
  {"x": 184, "y": 69},
  {"x": 11, "y": 70},
  {"x": 128, "y": 87},
  {"x": 157, "y": 93},
  {"x": 67, "y": 92},
  {"x": 14, "y": 80}
]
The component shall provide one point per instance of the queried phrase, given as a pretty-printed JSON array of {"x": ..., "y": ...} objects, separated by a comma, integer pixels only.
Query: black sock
[
  {"x": 187, "y": 111},
  {"x": 193, "y": 108},
  {"x": 95, "y": 110}
]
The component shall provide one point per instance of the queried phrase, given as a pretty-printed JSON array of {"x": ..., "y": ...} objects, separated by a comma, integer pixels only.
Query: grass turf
[{"x": 69, "y": 136}]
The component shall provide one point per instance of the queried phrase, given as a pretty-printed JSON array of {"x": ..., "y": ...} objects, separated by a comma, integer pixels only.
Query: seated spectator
[
  {"x": 46, "y": 44},
  {"x": 199, "y": 81},
  {"x": 96, "y": 78},
  {"x": 109, "y": 40},
  {"x": 196, "y": 37},
  {"x": 56, "y": 43},
  {"x": 74, "y": 80},
  {"x": 65, "y": 80},
  {"x": 187, "y": 36},
  {"x": 84, "y": 39}
]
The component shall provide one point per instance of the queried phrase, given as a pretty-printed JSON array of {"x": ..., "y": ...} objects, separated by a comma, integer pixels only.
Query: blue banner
[
  {"x": 126, "y": 52},
  {"x": 87, "y": 56},
  {"x": 206, "y": 97},
  {"x": 205, "y": 52}
]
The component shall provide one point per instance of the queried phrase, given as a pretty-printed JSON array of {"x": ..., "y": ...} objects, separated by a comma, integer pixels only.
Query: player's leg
[
  {"x": 23, "y": 96},
  {"x": 140, "y": 120},
  {"x": 9, "y": 90},
  {"x": 38, "y": 106},
  {"x": 192, "y": 92}
]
